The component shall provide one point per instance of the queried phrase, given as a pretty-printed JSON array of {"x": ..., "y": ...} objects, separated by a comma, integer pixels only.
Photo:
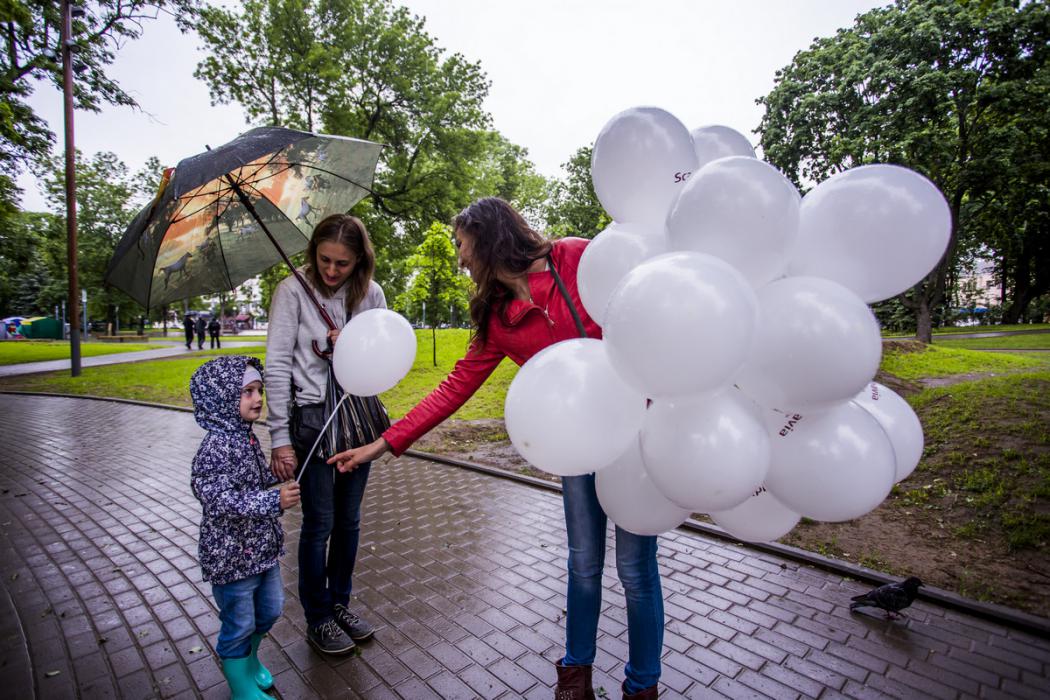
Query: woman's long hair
[
  {"x": 502, "y": 243},
  {"x": 348, "y": 230}
]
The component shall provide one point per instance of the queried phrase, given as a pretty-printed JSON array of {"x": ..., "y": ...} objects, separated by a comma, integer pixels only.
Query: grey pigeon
[{"x": 892, "y": 597}]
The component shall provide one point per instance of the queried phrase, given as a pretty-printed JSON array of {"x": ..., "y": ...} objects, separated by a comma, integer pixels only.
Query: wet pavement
[{"x": 464, "y": 572}]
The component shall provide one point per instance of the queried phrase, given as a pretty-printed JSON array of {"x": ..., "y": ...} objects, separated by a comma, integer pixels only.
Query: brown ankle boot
[
  {"x": 649, "y": 693},
  {"x": 574, "y": 683}
]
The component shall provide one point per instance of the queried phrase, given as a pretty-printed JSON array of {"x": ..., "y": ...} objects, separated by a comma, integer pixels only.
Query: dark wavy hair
[
  {"x": 348, "y": 230},
  {"x": 502, "y": 243}
]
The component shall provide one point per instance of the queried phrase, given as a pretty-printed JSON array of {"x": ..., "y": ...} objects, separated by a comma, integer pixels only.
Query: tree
[
  {"x": 33, "y": 53},
  {"x": 436, "y": 282},
  {"x": 914, "y": 84},
  {"x": 108, "y": 196},
  {"x": 573, "y": 208},
  {"x": 32, "y": 252}
]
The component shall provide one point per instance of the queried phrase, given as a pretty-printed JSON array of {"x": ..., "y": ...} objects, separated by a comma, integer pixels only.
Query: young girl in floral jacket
[{"x": 240, "y": 537}]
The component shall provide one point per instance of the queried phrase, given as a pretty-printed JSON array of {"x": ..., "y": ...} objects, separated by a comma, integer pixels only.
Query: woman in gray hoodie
[{"x": 339, "y": 267}]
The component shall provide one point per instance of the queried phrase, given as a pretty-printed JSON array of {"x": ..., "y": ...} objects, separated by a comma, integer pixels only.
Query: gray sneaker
[
  {"x": 329, "y": 638},
  {"x": 358, "y": 629}
]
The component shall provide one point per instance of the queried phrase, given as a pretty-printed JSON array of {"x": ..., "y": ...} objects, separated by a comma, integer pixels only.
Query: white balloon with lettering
[
  {"x": 715, "y": 141},
  {"x": 373, "y": 352},
  {"x": 899, "y": 421},
  {"x": 761, "y": 518},
  {"x": 568, "y": 412},
  {"x": 631, "y": 500},
  {"x": 741, "y": 210},
  {"x": 707, "y": 453},
  {"x": 640, "y": 160},
  {"x": 680, "y": 324},
  {"x": 876, "y": 229},
  {"x": 832, "y": 466},
  {"x": 612, "y": 254},
  {"x": 817, "y": 345}
]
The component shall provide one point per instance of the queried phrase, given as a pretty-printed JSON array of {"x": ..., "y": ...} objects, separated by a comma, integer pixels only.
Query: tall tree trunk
[
  {"x": 923, "y": 320},
  {"x": 434, "y": 344}
]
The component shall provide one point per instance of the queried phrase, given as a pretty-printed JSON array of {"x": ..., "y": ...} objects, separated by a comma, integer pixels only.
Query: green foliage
[
  {"x": 935, "y": 85},
  {"x": 368, "y": 69},
  {"x": 435, "y": 280},
  {"x": 32, "y": 254},
  {"x": 108, "y": 196},
  {"x": 33, "y": 55},
  {"x": 573, "y": 208}
]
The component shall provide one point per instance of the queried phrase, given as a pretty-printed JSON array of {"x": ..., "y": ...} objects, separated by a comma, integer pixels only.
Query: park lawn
[
  {"x": 913, "y": 360},
  {"x": 954, "y": 330},
  {"x": 1021, "y": 341},
  {"x": 15, "y": 352}
]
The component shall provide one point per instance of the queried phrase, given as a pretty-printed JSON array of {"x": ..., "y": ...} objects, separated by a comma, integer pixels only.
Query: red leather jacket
[{"x": 518, "y": 331}]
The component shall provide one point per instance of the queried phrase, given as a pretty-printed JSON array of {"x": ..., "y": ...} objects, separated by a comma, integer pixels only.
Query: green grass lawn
[
  {"x": 1021, "y": 341},
  {"x": 14, "y": 352},
  {"x": 937, "y": 361},
  {"x": 953, "y": 330}
]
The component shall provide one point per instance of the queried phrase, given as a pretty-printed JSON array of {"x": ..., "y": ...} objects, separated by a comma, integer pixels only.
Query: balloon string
[{"x": 335, "y": 411}]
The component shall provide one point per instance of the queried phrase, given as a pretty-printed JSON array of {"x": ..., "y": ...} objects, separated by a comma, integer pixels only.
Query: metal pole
[{"x": 71, "y": 188}]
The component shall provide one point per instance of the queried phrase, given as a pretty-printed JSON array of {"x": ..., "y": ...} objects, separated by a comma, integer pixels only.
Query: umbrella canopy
[{"x": 226, "y": 215}]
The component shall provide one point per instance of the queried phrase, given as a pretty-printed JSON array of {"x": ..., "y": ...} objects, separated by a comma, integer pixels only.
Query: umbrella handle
[{"x": 320, "y": 436}]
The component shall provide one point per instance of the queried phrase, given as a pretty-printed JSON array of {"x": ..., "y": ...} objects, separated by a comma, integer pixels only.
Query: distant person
[
  {"x": 240, "y": 539},
  {"x": 4, "y": 335},
  {"x": 202, "y": 326},
  {"x": 213, "y": 332},
  {"x": 187, "y": 323}
]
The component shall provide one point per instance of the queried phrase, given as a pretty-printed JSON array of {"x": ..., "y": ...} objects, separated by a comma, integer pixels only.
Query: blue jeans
[
  {"x": 585, "y": 522},
  {"x": 247, "y": 606},
  {"x": 331, "y": 503}
]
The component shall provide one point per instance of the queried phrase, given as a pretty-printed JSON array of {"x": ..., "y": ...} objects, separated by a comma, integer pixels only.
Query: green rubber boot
[
  {"x": 262, "y": 674},
  {"x": 239, "y": 675}
]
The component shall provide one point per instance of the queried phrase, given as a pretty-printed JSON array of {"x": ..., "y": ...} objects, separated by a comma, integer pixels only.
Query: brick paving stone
[{"x": 100, "y": 583}]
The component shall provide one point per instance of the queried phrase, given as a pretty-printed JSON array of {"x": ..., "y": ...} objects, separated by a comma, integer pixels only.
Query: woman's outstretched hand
[{"x": 352, "y": 459}]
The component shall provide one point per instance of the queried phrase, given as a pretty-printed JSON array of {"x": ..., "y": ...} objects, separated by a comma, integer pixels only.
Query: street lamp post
[{"x": 68, "y": 11}]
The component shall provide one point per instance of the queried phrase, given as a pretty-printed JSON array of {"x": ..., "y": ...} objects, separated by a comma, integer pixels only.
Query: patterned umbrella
[{"x": 226, "y": 215}]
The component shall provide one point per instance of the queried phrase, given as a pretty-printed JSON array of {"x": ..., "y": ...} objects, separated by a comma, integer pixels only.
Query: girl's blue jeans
[
  {"x": 247, "y": 606},
  {"x": 585, "y": 522},
  {"x": 328, "y": 540}
]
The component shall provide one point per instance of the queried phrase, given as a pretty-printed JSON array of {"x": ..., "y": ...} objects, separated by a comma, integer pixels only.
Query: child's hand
[{"x": 289, "y": 495}]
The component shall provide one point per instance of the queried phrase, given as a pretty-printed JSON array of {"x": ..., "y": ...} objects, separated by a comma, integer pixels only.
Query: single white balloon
[
  {"x": 877, "y": 229},
  {"x": 641, "y": 158},
  {"x": 761, "y": 518},
  {"x": 899, "y": 421},
  {"x": 741, "y": 210},
  {"x": 374, "y": 351},
  {"x": 817, "y": 344},
  {"x": 612, "y": 254},
  {"x": 715, "y": 141},
  {"x": 707, "y": 453},
  {"x": 568, "y": 412},
  {"x": 680, "y": 324},
  {"x": 631, "y": 500},
  {"x": 831, "y": 466}
]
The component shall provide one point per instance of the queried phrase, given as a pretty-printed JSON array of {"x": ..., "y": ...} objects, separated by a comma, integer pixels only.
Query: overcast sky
[{"x": 559, "y": 70}]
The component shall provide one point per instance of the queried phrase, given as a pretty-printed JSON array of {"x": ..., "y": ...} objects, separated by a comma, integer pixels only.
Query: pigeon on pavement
[{"x": 892, "y": 597}]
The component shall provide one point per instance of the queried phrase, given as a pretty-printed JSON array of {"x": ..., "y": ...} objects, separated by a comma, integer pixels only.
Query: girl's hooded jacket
[{"x": 239, "y": 532}]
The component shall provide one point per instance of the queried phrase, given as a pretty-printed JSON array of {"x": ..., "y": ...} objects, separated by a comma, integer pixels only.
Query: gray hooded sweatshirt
[{"x": 294, "y": 322}]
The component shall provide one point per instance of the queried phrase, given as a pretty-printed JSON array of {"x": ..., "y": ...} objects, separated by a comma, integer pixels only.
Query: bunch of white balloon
[{"x": 735, "y": 374}]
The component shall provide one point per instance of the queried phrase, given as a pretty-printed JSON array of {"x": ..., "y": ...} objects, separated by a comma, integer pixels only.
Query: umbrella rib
[
  {"x": 369, "y": 190},
  {"x": 222, "y": 252}
]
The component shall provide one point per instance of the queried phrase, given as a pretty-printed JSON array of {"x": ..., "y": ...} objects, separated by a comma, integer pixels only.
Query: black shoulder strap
[{"x": 568, "y": 299}]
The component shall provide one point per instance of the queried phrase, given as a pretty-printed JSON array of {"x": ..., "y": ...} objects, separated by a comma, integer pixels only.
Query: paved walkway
[
  {"x": 113, "y": 358},
  {"x": 102, "y": 596}
]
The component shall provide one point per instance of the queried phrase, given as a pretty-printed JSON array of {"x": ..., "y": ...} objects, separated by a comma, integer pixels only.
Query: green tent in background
[{"x": 41, "y": 327}]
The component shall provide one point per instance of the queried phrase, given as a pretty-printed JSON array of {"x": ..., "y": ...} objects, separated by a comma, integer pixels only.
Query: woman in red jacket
[{"x": 517, "y": 310}]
